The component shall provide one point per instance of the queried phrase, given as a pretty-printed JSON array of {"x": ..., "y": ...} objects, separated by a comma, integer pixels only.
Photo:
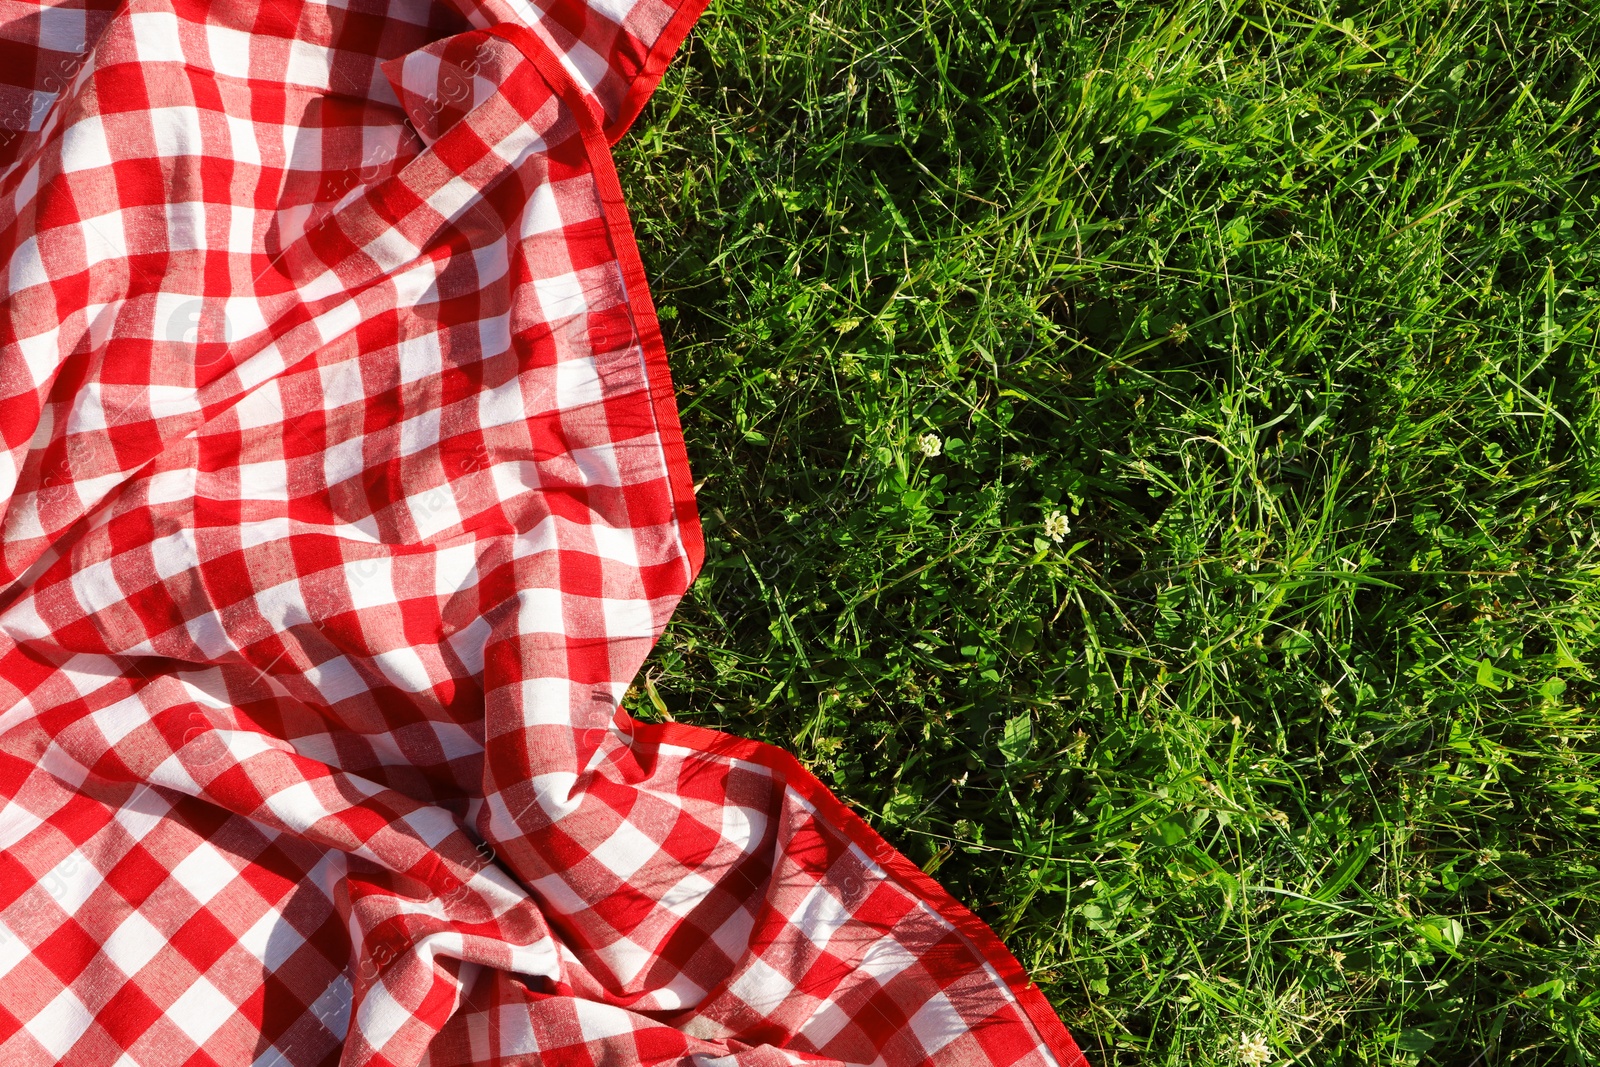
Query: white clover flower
[
  {"x": 1253, "y": 1050},
  {"x": 930, "y": 445},
  {"x": 1056, "y": 527}
]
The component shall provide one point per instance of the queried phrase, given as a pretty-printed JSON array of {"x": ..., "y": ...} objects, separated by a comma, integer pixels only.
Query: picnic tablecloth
[{"x": 343, "y": 496}]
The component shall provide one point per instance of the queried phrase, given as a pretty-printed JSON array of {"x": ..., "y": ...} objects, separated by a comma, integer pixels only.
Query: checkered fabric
[{"x": 343, "y": 495}]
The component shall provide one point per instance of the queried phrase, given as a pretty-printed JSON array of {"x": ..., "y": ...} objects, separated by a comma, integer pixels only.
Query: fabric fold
[{"x": 343, "y": 495}]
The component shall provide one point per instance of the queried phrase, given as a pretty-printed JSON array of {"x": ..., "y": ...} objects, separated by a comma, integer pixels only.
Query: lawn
[{"x": 1282, "y": 318}]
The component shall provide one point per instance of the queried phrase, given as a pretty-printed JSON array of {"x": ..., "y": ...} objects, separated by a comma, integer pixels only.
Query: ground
[{"x": 1149, "y": 458}]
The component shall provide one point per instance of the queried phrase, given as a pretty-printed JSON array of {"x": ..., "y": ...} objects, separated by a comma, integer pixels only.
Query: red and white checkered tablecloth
[{"x": 343, "y": 495}]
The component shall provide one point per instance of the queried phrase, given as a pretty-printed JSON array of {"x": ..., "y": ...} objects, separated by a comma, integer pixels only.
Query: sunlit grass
[{"x": 1288, "y": 313}]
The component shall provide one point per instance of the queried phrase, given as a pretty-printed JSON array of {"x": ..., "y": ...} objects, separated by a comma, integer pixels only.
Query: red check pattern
[{"x": 343, "y": 494}]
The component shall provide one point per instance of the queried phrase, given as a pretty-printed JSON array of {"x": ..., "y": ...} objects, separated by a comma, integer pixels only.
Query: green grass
[{"x": 1291, "y": 311}]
